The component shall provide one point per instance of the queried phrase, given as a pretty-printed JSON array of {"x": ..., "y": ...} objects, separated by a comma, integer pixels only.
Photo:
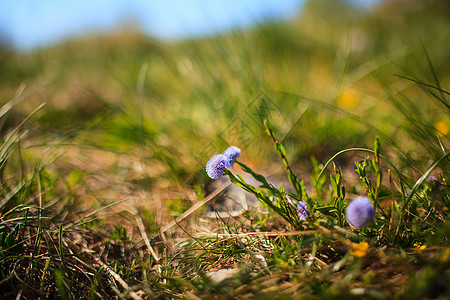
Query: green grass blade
[
  {"x": 427, "y": 85},
  {"x": 435, "y": 77},
  {"x": 423, "y": 177}
]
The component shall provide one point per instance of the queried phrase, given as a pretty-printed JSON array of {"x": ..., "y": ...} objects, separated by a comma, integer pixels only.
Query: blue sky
[{"x": 35, "y": 23}]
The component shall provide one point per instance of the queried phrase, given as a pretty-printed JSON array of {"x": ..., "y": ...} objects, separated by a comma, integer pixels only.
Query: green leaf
[
  {"x": 376, "y": 146},
  {"x": 258, "y": 177},
  {"x": 333, "y": 183},
  {"x": 61, "y": 284},
  {"x": 10, "y": 239}
]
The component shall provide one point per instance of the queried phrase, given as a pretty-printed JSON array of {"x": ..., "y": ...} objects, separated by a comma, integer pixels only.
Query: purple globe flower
[
  {"x": 231, "y": 153},
  {"x": 216, "y": 165},
  {"x": 360, "y": 212},
  {"x": 302, "y": 209}
]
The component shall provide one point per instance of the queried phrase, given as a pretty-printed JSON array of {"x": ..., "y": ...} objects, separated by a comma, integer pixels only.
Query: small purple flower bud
[
  {"x": 360, "y": 212},
  {"x": 302, "y": 209},
  {"x": 231, "y": 153},
  {"x": 216, "y": 165}
]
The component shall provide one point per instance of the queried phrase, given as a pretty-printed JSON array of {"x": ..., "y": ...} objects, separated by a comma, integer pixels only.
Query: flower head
[
  {"x": 302, "y": 209},
  {"x": 231, "y": 153},
  {"x": 216, "y": 165},
  {"x": 348, "y": 99},
  {"x": 442, "y": 127},
  {"x": 419, "y": 246},
  {"x": 360, "y": 212},
  {"x": 360, "y": 250}
]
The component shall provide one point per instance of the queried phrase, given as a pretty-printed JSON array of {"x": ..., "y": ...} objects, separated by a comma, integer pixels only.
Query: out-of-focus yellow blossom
[
  {"x": 445, "y": 256},
  {"x": 442, "y": 127},
  {"x": 419, "y": 246},
  {"x": 360, "y": 250},
  {"x": 348, "y": 99}
]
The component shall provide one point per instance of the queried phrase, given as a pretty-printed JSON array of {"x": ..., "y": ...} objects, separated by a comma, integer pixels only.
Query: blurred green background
[{"x": 155, "y": 111}]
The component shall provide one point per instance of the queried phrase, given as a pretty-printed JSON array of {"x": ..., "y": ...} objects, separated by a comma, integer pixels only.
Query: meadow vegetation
[{"x": 105, "y": 139}]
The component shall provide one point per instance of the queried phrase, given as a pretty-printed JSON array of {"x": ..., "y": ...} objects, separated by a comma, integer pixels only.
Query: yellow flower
[
  {"x": 441, "y": 127},
  {"x": 347, "y": 99},
  {"x": 445, "y": 256},
  {"x": 360, "y": 250},
  {"x": 419, "y": 246}
]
